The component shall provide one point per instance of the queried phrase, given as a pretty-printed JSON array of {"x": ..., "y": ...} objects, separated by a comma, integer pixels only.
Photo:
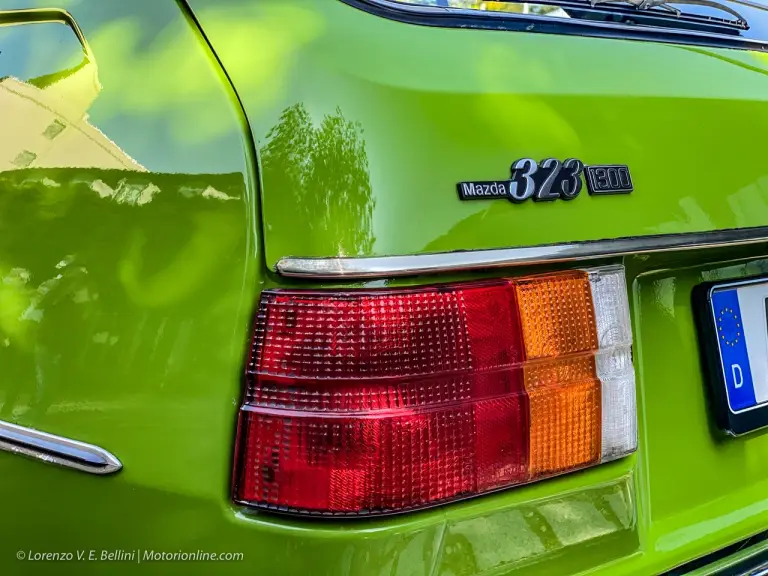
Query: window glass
[
  {"x": 34, "y": 51},
  {"x": 756, "y": 17}
]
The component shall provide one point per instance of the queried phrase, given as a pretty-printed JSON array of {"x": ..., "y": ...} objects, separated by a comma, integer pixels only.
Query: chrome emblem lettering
[{"x": 550, "y": 180}]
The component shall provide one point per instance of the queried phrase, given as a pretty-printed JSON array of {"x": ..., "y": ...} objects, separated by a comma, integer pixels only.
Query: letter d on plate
[{"x": 738, "y": 376}]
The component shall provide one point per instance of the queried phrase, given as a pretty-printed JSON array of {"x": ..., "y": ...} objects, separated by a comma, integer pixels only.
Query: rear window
[{"x": 755, "y": 14}]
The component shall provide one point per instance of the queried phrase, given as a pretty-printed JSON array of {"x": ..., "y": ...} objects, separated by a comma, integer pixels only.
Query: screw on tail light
[{"x": 365, "y": 402}]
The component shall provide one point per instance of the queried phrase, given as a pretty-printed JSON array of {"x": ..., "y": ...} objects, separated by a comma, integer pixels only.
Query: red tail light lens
[{"x": 368, "y": 402}]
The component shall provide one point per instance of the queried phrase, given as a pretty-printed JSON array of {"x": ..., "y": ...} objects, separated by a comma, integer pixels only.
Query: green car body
[{"x": 216, "y": 137}]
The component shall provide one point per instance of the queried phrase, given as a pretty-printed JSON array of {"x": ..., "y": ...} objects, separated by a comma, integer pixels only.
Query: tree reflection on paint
[{"x": 322, "y": 173}]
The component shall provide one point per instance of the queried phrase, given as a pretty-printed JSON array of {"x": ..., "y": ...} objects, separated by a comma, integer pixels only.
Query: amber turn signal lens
[
  {"x": 556, "y": 314},
  {"x": 557, "y": 318}
]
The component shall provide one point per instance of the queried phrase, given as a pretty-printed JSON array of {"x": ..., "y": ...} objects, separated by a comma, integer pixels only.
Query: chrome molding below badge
[
  {"x": 412, "y": 265},
  {"x": 57, "y": 450}
]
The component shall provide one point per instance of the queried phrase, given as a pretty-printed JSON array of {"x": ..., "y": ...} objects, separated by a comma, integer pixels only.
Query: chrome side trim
[
  {"x": 57, "y": 449},
  {"x": 412, "y": 265}
]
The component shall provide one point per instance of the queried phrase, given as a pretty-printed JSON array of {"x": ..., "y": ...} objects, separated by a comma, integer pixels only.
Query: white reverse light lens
[{"x": 614, "y": 362}]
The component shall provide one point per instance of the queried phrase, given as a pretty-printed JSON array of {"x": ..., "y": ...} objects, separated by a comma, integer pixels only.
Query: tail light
[{"x": 364, "y": 402}]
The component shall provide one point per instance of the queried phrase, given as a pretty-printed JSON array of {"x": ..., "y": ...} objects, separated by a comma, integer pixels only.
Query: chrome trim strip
[
  {"x": 412, "y": 265},
  {"x": 57, "y": 449}
]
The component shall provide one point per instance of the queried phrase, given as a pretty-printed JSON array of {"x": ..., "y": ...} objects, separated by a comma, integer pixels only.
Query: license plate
[{"x": 733, "y": 327}]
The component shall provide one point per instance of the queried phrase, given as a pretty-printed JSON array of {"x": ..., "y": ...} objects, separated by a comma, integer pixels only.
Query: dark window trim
[{"x": 463, "y": 18}]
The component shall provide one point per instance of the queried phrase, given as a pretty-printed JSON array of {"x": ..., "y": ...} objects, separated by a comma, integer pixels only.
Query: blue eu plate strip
[{"x": 733, "y": 349}]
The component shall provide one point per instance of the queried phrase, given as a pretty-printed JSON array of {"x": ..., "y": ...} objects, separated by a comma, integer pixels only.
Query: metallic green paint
[
  {"x": 438, "y": 106},
  {"x": 131, "y": 261}
]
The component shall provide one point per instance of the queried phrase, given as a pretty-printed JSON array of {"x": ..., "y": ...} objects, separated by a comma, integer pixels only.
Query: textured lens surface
[
  {"x": 365, "y": 402},
  {"x": 614, "y": 362},
  {"x": 395, "y": 462}
]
